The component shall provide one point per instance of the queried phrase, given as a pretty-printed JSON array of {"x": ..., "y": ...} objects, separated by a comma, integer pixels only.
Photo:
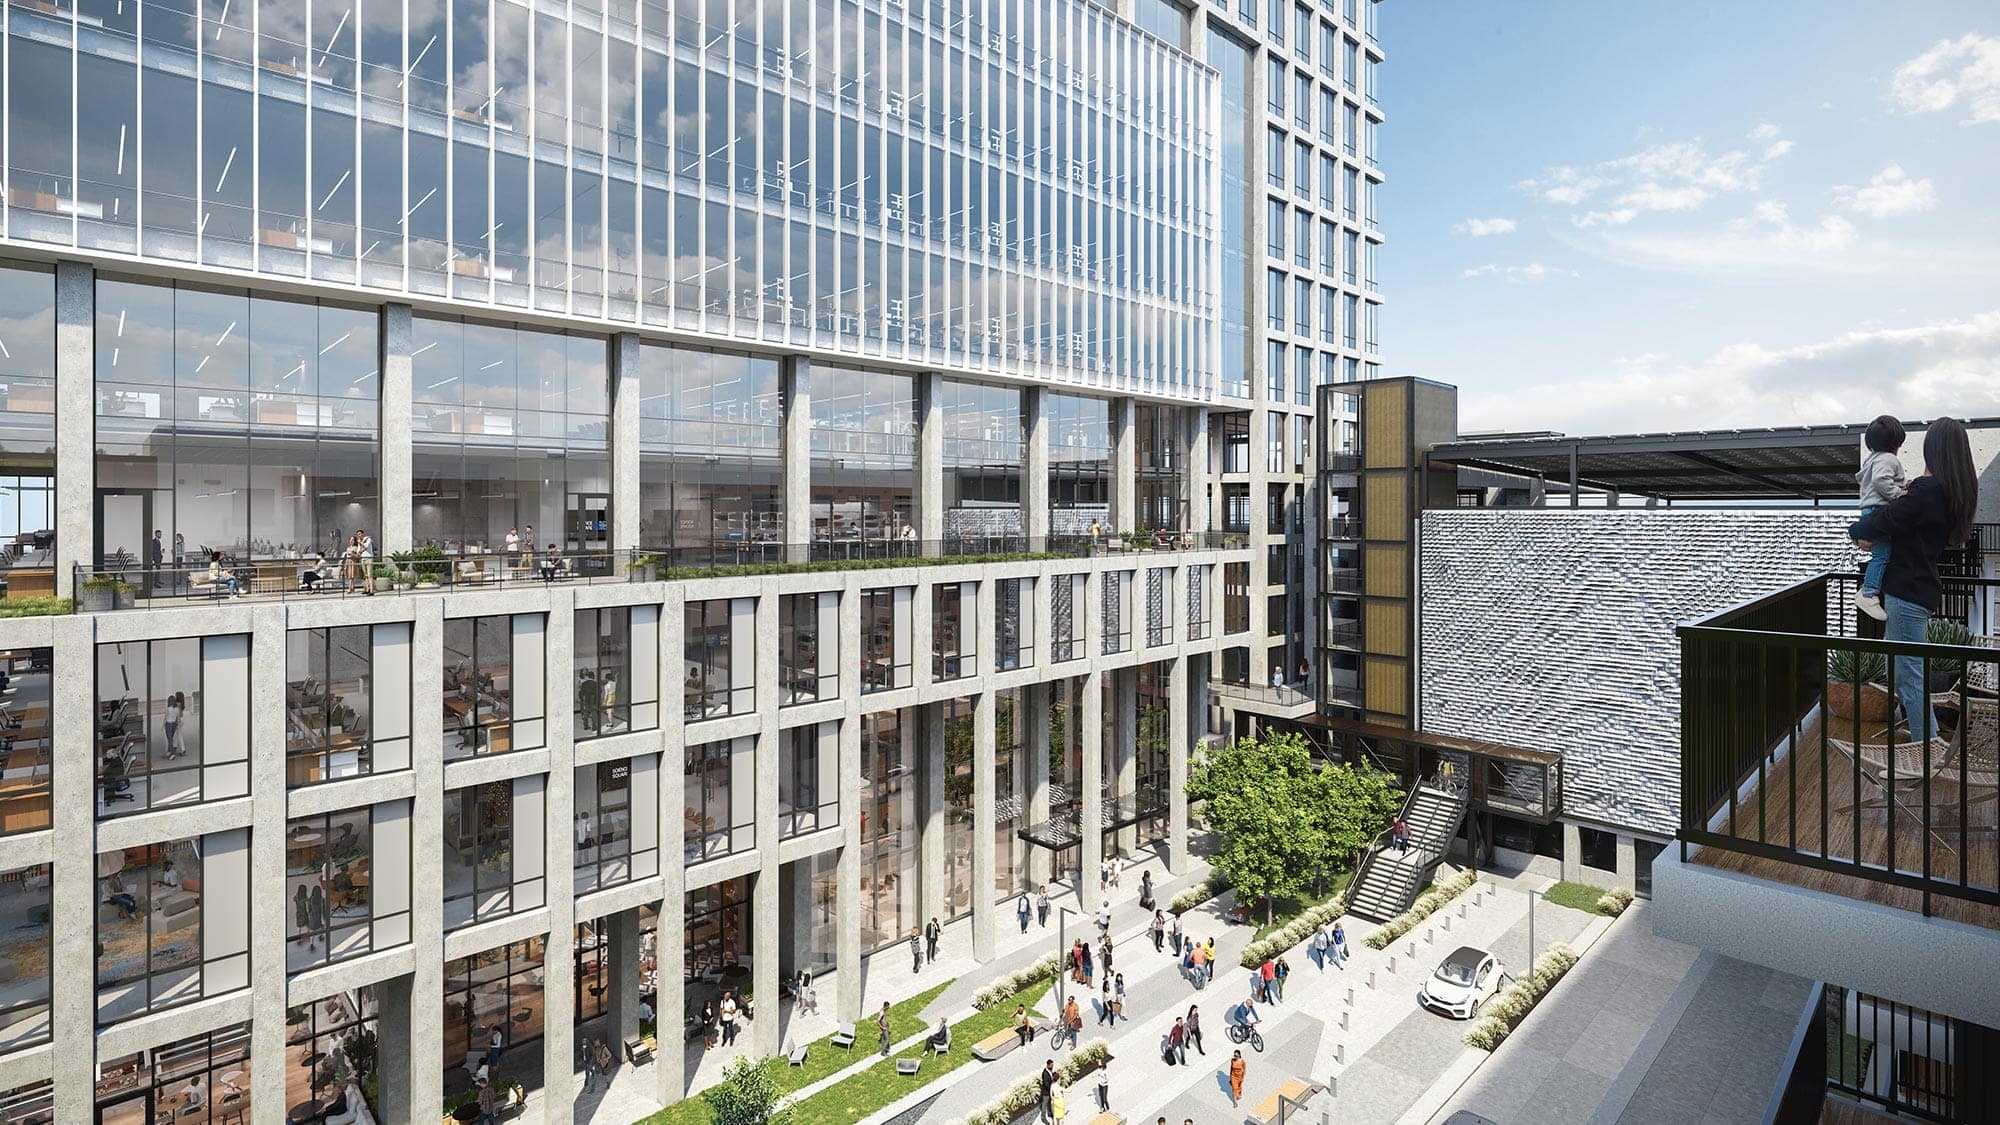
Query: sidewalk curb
[{"x": 1441, "y": 1092}]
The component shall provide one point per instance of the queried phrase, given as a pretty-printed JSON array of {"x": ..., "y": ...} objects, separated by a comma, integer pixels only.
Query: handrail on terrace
[
  {"x": 1784, "y": 760},
  {"x": 123, "y": 582}
]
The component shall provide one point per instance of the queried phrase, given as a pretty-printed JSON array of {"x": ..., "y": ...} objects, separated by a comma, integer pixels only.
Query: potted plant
[
  {"x": 97, "y": 593},
  {"x": 124, "y": 595},
  {"x": 1945, "y": 670},
  {"x": 643, "y": 568},
  {"x": 1853, "y": 685}
]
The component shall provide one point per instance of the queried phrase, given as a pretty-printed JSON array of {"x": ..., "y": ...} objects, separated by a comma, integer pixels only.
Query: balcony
[
  {"x": 1343, "y": 528},
  {"x": 1790, "y": 773},
  {"x": 122, "y": 582},
  {"x": 1279, "y": 697},
  {"x": 1343, "y": 580}
]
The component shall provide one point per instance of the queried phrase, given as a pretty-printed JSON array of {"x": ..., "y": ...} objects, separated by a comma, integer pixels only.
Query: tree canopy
[
  {"x": 1284, "y": 819},
  {"x": 746, "y": 1095}
]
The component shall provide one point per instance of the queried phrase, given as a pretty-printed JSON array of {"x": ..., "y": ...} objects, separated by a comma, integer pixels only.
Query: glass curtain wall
[
  {"x": 27, "y": 946},
  {"x": 1066, "y": 741},
  {"x": 984, "y": 448},
  {"x": 510, "y": 426},
  {"x": 329, "y": 876},
  {"x": 617, "y": 670},
  {"x": 231, "y": 423},
  {"x": 331, "y": 1053},
  {"x": 173, "y": 722},
  {"x": 200, "y": 1080},
  {"x": 708, "y": 449},
  {"x": 493, "y": 852},
  {"x": 1231, "y": 59},
  {"x": 863, "y": 456},
  {"x": 718, "y": 929},
  {"x": 721, "y": 795},
  {"x": 1152, "y": 748},
  {"x": 889, "y": 844},
  {"x": 27, "y": 429},
  {"x": 956, "y": 716},
  {"x": 1161, "y": 474},
  {"x": 720, "y": 637},
  {"x": 808, "y": 647},
  {"x": 494, "y": 698},
  {"x": 808, "y": 779},
  {"x": 499, "y": 990},
  {"x": 617, "y": 822},
  {"x": 347, "y": 702},
  {"x": 27, "y": 751},
  {"x": 155, "y": 945},
  {"x": 1010, "y": 795},
  {"x": 1079, "y": 464}
]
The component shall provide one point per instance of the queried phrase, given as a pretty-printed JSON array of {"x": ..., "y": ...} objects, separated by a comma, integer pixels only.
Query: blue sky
[{"x": 1631, "y": 216}]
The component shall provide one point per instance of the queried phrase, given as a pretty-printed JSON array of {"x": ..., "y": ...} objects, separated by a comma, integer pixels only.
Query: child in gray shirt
[{"x": 1881, "y": 480}]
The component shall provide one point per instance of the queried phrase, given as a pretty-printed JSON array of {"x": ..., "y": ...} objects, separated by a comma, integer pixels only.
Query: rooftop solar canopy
[{"x": 1801, "y": 462}]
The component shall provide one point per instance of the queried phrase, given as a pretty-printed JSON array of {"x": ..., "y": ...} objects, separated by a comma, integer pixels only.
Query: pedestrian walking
[
  {"x": 882, "y": 1026},
  {"x": 1104, "y": 955},
  {"x": 1089, "y": 966},
  {"x": 1177, "y": 935},
  {"x": 1059, "y": 1103},
  {"x": 1159, "y": 930},
  {"x": 1105, "y": 1014},
  {"x": 1399, "y": 834},
  {"x": 1104, "y": 876},
  {"x": 1048, "y": 1083},
  {"x": 1339, "y": 945},
  {"x": 1021, "y": 911},
  {"x": 1278, "y": 981},
  {"x": 606, "y": 1063},
  {"x": 729, "y": 1013},
  {"x": 1145, "y": 890},
  {"x": 1042, "y": 906},
  {"x": 1117, "y": 871},
  {"x": 1104, "y": 918},
  {"x": 916, "y": 952},
  {"x": 1104, "y": 1088},
  {"x": 1266, "y": 973},
  {"x": 1177, "y": 1044},
  {"x": 1076, "y": 961},
  {"x": 1197, "y": 962},
  {"x": 1194, "y": 1030},
  {"x": 589, "y": 1066},
  {"x": 1236, "y": 1071},
  {"x": 932, "y": 933},
  {"x": 1320, "y": 945},
  {"x": 1118, "y": 995}
]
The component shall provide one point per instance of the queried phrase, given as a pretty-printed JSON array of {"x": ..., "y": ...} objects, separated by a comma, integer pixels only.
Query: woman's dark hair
[
  {"x": 1948, "y": 459},
  {"x": 1885, "y": 435}
]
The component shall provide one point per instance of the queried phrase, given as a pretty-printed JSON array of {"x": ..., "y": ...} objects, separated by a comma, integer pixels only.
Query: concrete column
[
  {"x": 1123, "y": 726},
  {"x": 670, "y": 999},
  {"x": 73, "y": 906},
  {"x": 847, "y": 952},
  {"x": 795, "y": 452},
  {"x": 624, "y": 444},
  {"x": 985, "y": 912},
  {"x": 1035, "y": 463},
  {"x": 621, "y": 951},
  {"x": 766, "y": 899},
  {"x": 1036, "y": 699},
  {"x": 1091, "y": 847},
  {"x": 397, "y": 461},
  {"x": 928, "y": 506},
  {"x": 421, "y": 1020},
  {"x": 1198, "y": 479},
  {"x": 267, "y": 904},
  {"x": 76, "y": 441},
  {"x": 930, "y": 810},
  {"x": 559, "y": 1057},
  {"x": 395, "y": 1055},
  {"x": 1178, "y": 746},
  {"x": 1124, "y": 465}
]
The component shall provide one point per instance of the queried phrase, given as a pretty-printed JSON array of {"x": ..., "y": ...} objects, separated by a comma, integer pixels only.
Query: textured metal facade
[{"x": 1554, "y": 630}]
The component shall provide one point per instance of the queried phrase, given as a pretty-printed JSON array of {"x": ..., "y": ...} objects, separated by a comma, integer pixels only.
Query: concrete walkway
[{"x": 1644, "y": 1031}]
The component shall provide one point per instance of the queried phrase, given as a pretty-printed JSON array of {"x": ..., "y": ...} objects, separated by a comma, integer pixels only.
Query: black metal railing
[
  {"x": 1792, "y": 751},
  {"x": 124, "y": 583},
  {"x": 1343, "y": 528},
  {"x": 1908, "y": 1060},
  {"x": 1340, "y": 462},
  {"x": 1343, "y": 580}
]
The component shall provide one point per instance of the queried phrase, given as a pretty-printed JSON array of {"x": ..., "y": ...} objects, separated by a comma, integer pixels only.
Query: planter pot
[
  {"x": 647, "y": 573},
  {"x": 1871, "y": 704},
  {"x": 1938, "y": 681},
  {"x": 126, "y": 598},
  {"x": 93, "y": 599}
]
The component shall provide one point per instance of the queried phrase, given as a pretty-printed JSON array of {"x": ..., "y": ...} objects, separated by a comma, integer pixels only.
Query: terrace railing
[{"x": 1785, "y": 759}]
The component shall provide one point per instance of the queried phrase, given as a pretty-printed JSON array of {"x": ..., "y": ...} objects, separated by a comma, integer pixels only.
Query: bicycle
[
  {"x": 1240, "y": 1033},
  {"x": 1063, "y": 1033}
]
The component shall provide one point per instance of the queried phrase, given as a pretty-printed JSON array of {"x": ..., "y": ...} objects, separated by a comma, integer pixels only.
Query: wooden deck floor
[{"x": 1790, "y": 801}]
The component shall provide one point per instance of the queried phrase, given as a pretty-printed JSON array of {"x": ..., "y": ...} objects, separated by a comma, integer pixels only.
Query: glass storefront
[
  {"x": 864, "y": 426},
  {"x": 708, "y": 448},
  {"x": 200, "y": 1080},
  {"x": 889, "y": 844},
  {"x": 1079, "y": 464},
  {"x": 983, "y": 451}
]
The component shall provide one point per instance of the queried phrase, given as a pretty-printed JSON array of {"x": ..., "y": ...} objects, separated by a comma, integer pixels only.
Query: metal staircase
[{"x": 1390, "y": 879}]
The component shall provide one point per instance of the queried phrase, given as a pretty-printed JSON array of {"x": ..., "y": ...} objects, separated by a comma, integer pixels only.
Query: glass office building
[{"x": 370, "y": 371}]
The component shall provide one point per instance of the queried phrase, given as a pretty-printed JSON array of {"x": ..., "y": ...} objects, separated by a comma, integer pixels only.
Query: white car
[{"x": 1463, "y": 981}]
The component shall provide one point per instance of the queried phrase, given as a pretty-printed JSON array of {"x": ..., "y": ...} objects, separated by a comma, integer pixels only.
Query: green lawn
[
  {"x": 1847, "y": 1060},
  {"x": 1576, "y": 896},
  {"x": 822, "y": 1060},
  {"x": 1283, "y": 910},
  {"x": 857, "y": 1097}
]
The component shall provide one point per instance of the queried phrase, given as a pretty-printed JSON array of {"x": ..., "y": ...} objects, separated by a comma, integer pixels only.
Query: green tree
[
  {"x": 746, "y": 1095},
  {"x": 1283, "y": 818}
]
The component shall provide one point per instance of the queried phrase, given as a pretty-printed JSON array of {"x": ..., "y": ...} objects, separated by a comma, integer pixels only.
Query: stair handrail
[{"x": 1381, "y": 841}]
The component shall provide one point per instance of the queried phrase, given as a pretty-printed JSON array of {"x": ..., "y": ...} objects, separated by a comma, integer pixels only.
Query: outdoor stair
[{"x": 1390, "y": 880}]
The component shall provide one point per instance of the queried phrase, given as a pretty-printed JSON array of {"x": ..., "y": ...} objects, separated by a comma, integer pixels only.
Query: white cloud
[
  {"x": 1951, "y": 72},
  {"x": 1924, "y": 371},
  {"x": 1764, "y": 132},
  {"x": 1533, "y": 271},
  {"x": 1675, "y": 177},
  {"x": 1482, "y": 228},
  {"x": 1770, "y": 211},
  {"x": 1889, "y": 193}
]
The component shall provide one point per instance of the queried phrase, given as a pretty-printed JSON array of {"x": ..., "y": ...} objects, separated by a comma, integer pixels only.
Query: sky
[{"x": 1638, "y": 216}]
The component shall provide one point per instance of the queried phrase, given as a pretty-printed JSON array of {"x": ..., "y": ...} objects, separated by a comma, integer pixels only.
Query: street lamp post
[
  {"x": 1062, "y": 950},
  {"x": 1532, "y": 896}
]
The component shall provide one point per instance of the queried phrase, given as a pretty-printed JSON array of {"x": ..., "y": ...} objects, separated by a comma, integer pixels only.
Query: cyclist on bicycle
[{"x": 1244, "y": 1015}]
